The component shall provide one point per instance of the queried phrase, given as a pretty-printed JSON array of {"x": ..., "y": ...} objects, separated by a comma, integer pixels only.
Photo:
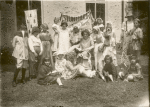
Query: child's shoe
[{"x": 14, "y": 84}]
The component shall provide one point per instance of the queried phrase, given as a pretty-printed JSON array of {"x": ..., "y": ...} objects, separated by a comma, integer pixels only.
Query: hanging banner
[{"x": 31, "y": 19}]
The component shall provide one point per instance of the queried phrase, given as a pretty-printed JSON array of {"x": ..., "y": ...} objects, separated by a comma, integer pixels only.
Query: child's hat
[
  {"x": 35, "y": 30},
  {"x": 59, "y": 53},
  {"x": 44, "y": 26},
  {"x": 96, "y": 28}
]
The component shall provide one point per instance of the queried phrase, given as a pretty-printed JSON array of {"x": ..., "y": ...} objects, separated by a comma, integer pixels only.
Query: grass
[{"x": 80, "y": 92}]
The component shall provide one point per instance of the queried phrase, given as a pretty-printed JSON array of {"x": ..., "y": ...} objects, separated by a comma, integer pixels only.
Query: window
[{"x": 97, "y": 9}]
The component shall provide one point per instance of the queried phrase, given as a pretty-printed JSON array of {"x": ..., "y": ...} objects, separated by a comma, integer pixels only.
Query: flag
[{"x": 31, "y": 19}]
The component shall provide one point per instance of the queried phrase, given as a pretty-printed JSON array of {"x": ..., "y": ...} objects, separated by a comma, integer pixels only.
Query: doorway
[{"x": 22, "y": 6}]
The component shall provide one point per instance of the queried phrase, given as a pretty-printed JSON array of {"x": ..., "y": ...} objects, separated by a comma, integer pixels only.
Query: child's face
[
  {"x": 133, "y": 61},
  {"x": 95, "y": 31},
  {"x": 136, "y": 24},
  {"x": 61, "y": 56},
  {"x": 85, "y": 35},
  {"x": 99, "y": 21},
  {"x": 75, "y": 30},
  {"x": 107, "y": 60},
  {"x": 64, "y": 26},
  {"x": 56, "y": 21},
  {"x": 47, "y": 63}
]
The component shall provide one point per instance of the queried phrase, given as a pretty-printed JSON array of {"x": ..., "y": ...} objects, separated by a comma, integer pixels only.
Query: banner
[
  {"x": 31, "y": 19},
  {"x": 84, "y": 24},
  {"x": 75, "y": 19}
]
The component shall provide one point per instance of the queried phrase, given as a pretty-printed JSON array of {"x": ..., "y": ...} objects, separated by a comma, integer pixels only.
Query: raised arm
[{"x": 14, "y": 41}]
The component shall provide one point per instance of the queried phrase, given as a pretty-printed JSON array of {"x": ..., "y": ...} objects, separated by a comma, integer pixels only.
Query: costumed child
[
  {"x": 64, "y": 66},
  {"x": 85, "y": 47},
  {"x": 100, "y": 24},
  {"x": 35, "y": 50},
  {"x": 76, "y": 36},
  {"x": 98, "y": 52},
  {"x": 47, "y": 42},
  {"x": 20, "y": 45},
  {"x": 46, "y": 75},
  {"x": 109, "y": 69},
  {"x": 55, "y": 36},
  {"x": 136, "y": 36},
  {"x": 110, "y": 43},
  {"x": 135, "y": 71}
]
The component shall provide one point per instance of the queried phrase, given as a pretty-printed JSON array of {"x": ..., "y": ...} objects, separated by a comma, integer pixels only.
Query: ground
[{"x": 80, "y": 92}]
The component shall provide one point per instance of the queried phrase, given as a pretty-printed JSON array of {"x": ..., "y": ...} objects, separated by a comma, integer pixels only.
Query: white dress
[{"x": 64, "y": 39}]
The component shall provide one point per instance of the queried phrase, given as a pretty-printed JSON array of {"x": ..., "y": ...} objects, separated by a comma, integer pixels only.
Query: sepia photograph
[{"x": 74, "y": 53}]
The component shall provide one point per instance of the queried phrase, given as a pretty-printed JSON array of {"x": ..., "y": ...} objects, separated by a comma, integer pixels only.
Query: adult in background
[
  {"x": 127, "y": 26},
  {"x": 47, "y": 42}
]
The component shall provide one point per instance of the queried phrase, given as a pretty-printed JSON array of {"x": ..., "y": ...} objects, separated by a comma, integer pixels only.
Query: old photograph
[{"x": 74, "y": 53}]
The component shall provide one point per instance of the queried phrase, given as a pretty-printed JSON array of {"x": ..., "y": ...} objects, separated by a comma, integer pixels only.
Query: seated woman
[
  {"x": 85, "y": 47},
  {"x": 46, "y": 76},
  {"x": 135, "y": 71}
]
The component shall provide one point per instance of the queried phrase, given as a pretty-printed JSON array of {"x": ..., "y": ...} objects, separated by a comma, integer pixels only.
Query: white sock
[
  {"x": 110, "y": 76},
  {"x": 59, "y": 81}
]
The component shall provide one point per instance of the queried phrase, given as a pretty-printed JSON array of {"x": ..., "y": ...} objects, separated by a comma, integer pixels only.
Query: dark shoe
[
  {"x": 62, "y": 86},
  {"x": 14, "y": 84},
  {"x": 23, "y": 81}
]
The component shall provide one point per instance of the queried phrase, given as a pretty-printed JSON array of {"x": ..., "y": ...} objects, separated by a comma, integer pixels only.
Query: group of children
[{"x": 49, "y": 64}]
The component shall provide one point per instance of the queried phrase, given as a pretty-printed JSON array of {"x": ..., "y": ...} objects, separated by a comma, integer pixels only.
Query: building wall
[
  {"x": 52, "y": 9},
  {"x": 8, "y": 23},
  {"x": 114, "y": 14}
]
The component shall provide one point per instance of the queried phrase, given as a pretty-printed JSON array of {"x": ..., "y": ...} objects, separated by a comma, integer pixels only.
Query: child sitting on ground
[
  {"x": 134, "y": 72},
  {"x": 46, "y": 76},
  {"x": 109, "y": 69},
  {"x": 123, "y": 71}
]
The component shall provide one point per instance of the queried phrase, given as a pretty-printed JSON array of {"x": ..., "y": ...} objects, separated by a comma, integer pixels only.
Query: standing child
[
  {"x": 137, "y": 36},
  {"x": 35, "y": 50},
  {"x": 55, "y": 37},
  {"x": 46, "y": 75},
  {"x": 109, "y": 69},
  {"x": 20, "y": 45},
  {"x": 76, "y": 36},
  {"x": 47, "y": 42},
  {"x": 110, "y": 43},
  {"x": 135, "y": 71}
]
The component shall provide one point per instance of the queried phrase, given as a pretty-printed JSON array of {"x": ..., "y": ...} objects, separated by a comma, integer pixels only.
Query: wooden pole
[{"x": 28, "y": 4}]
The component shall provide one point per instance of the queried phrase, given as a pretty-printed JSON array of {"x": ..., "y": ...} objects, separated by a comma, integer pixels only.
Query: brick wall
[{"x": 8, "y": 23}]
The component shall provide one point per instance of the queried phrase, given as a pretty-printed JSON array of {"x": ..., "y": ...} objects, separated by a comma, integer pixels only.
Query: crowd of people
[{"x": 70, "y": 51}]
